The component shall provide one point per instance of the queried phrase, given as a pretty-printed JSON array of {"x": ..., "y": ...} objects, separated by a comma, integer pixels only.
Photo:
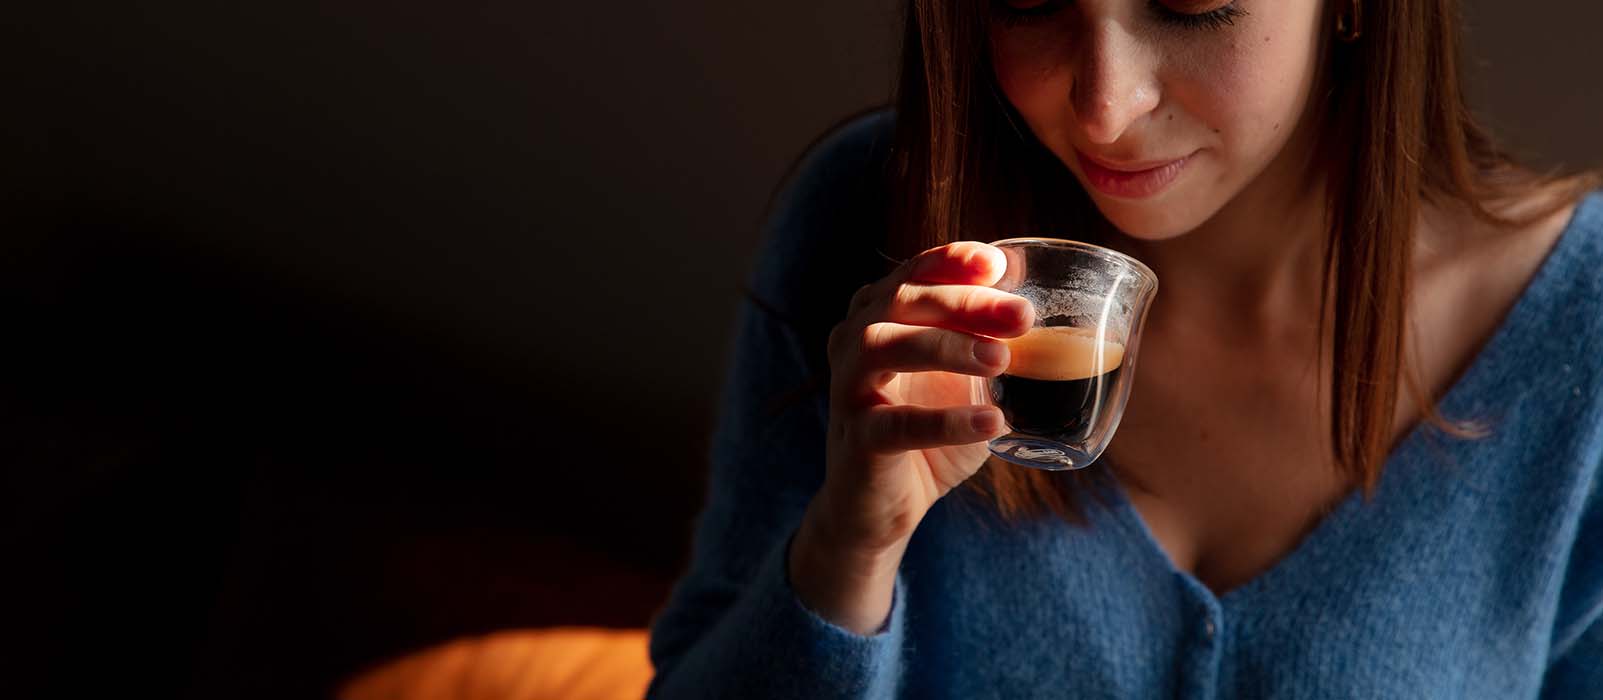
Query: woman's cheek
[
  {"x": 1250, "y": 99},
  {"x": 1263, "y": 78},
  {"x": 1035, "y": 79}
]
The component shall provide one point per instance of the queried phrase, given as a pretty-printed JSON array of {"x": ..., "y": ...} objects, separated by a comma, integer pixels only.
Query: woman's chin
[{"x": 1154, "y": 219}]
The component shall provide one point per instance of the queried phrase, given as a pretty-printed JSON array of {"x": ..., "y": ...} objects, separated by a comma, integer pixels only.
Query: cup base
[{"x": 1037, "y": 453}]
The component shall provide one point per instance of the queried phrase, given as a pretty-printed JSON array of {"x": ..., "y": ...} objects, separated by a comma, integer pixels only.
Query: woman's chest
[
  {"x": 1227, "y": 461},
  {"x": 1045, "y": 608}
]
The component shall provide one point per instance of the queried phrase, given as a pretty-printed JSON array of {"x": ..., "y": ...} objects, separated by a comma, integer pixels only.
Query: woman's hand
[{"x": 907, "y": 423}]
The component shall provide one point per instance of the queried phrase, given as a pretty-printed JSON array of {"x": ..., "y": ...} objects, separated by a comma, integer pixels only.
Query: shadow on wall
[
  {"x": 335, "y": 332},
  {"x": 216, "y": 482}
]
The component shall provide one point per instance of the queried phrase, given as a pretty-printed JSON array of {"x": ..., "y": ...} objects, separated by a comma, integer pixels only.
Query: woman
[{"x": 1361, "y": 454}]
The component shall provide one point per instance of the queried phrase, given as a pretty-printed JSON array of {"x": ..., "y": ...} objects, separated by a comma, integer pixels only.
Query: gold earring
[{"x": 1348, "y": 26}]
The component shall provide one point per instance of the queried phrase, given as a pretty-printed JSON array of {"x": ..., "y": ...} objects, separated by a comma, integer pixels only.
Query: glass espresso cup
[{"x": 1064, "y": 389}]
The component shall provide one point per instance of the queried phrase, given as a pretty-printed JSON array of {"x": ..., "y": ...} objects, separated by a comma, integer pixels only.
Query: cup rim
[{"x": 1080, "y": 245}]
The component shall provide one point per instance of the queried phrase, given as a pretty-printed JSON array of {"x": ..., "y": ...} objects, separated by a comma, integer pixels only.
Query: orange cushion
[{"x": 570, "y": 663}]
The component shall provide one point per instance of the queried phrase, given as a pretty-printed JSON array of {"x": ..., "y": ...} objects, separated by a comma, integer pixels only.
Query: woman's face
[{"x": 1165, "y": 110}]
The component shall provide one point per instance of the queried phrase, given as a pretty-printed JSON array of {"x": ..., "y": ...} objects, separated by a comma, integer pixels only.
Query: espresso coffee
[{"x": 1058, "y": 382}]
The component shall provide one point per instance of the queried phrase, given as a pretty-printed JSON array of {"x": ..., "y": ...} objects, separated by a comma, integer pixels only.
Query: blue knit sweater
[{"x": 1476, "y": 571}]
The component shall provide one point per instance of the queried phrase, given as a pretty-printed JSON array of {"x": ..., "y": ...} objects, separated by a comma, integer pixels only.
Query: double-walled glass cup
[{"x": 1064, "y": 390}]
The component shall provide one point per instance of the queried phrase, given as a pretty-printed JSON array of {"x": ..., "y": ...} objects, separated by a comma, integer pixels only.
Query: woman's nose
[{"x": 1114, "y": 83}]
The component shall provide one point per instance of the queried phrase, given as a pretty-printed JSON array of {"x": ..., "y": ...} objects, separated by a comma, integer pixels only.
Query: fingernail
[
  {"x": 975, "y": 258},
  {"x": 986, "y": 420},
  {"x": 1023, "y": 312},
  {"x": 990, "y": 354}
]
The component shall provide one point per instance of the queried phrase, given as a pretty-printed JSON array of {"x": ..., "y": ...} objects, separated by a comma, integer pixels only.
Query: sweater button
[{"x": 1207, "y": 628}]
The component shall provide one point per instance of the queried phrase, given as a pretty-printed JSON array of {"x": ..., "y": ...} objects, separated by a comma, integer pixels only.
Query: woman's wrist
[{"x": 848, "y": 585}]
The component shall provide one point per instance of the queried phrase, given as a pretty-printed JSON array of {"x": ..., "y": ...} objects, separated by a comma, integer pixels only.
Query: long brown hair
[{"x": 1397, "y": 133}]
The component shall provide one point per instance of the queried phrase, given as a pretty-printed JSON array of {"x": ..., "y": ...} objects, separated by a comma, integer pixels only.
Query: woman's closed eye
[
  {"x": 1207, "y": 14},
  {"x": 1017, "y": 13}
]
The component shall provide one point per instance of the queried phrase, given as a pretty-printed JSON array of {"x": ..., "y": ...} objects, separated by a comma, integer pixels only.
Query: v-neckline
[{"x": 1336, "y": 523}]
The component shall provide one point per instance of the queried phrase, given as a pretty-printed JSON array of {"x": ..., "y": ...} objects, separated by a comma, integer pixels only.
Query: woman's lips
[{"x": 1131, "y": 180}]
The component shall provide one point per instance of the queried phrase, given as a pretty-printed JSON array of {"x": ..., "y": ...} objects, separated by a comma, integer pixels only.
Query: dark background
[{"x": 333, "y": 330}]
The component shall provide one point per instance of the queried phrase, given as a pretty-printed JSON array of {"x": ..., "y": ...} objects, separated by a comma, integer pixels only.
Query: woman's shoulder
[
  {"x": 843, "y": 162},
  {"x": 1546, "y": 264},
  {"x": 1517, "y": 311},
  {"x": 825, "y": 224},
  {"x": 1586, "y": 226},
  {"x": 1552, "y": 338},
  {"x": 1570, "y": 279}
]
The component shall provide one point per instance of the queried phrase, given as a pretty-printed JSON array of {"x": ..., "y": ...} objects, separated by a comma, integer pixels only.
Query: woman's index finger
[{"x": 962, "y": 262}]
